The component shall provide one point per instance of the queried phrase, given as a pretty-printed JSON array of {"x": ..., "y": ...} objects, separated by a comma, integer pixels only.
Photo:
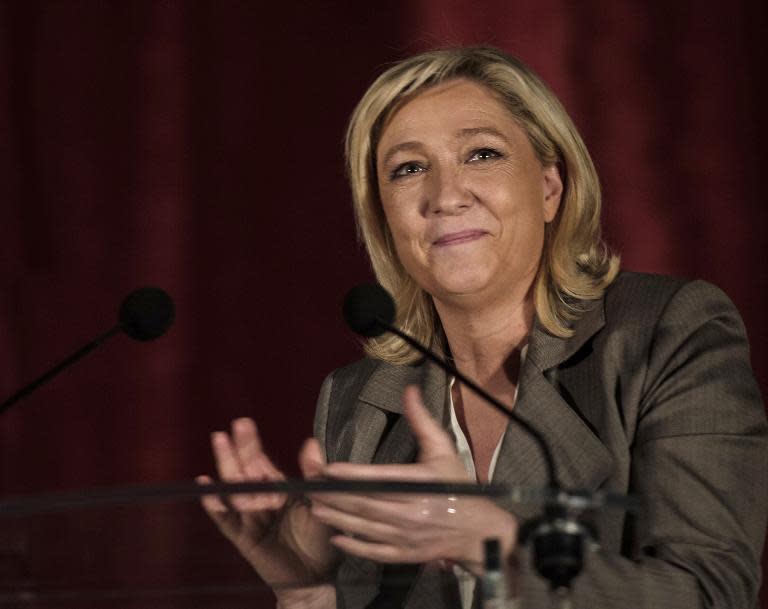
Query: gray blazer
[{"x": 653, "y": 395}]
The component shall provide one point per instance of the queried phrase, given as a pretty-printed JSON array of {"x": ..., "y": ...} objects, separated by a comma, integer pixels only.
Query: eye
[
  {"x": 484, "y": 154},
  {"x": 406, "y": 169}
]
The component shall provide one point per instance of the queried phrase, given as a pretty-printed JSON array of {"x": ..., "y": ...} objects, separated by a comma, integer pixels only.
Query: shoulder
[
  {"x": 356, "y": 373},
  {"x": 341, "y": 389},
  {"x": 631, "y": 290},
  {"x": 345, "y": 383},
  {"x": 642, "y": 303},
  {"x": 640, "y": 313},
  {"x": 653, "y": 320},
  {"x": 679, "y": 337},
  {"x": 656, "y": 336}
]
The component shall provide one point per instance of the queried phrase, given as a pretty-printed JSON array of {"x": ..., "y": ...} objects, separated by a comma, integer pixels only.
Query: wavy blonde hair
[{"x": 575, "y": 266}]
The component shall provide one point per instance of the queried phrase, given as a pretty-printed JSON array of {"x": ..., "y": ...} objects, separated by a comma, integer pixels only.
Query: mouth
[{"x": 457, "y": 238}]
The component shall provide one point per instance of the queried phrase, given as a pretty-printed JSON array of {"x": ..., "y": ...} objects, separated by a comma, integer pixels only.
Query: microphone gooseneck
[
  {"x": 370, "y": 311},
  {"x": 144, "y": 315}
]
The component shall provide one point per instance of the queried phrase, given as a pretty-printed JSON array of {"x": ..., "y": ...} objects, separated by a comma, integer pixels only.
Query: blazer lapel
[
  {"x": 581, "y": 459},
  {"x": 380, "y": 405}
]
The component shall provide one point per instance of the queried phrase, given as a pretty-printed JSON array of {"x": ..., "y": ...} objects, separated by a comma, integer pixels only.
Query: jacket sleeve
[{"x": 699, "y": 463}]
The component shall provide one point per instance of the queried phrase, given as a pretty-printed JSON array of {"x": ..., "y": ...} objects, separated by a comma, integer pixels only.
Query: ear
[{"x": 553, "y": 191}]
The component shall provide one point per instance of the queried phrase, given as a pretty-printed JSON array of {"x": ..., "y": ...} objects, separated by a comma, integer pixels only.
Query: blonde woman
[{"x": 480, "y": 209}]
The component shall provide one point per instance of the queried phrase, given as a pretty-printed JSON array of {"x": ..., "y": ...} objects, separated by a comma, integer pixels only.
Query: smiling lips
[{"x": 464, "y": 236}]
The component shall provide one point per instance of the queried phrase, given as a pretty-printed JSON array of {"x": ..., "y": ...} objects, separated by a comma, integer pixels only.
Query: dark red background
[{"x": 197, "y": 146}]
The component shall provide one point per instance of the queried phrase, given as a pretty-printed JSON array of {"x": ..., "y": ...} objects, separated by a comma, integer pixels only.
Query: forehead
[{"x": 456, "y": 104}]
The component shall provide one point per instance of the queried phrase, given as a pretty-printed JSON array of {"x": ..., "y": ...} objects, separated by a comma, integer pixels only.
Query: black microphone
[
  {"x": 558, "y": 536},
  {"x": 144, "y": 315}
]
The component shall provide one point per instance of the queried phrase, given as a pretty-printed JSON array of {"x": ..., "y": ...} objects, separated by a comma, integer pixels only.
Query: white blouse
[{"x": 466, "y": 579}]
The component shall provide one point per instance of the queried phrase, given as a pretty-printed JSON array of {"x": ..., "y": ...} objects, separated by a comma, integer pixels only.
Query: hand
[
  {"x": 409, "y": 528},
  {"x": 244, "y": 519},
  {"x": 281, "y": 539}
]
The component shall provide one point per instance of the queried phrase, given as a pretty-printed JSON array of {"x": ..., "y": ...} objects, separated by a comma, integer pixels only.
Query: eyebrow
[
  {"x": 411, "y": 145},
  {"x": 460, "y": 134},
  {"x": 470, "y": 131}
]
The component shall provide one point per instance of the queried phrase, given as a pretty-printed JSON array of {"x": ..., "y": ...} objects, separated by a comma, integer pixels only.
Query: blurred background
[{"x": 197, "y": 146}]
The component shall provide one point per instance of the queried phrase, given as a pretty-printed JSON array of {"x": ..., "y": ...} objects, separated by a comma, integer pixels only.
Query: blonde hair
[{"x": 575, "y": 265}]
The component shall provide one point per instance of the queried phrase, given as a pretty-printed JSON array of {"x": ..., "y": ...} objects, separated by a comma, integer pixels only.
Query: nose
[{"x": 447, "y": 193}]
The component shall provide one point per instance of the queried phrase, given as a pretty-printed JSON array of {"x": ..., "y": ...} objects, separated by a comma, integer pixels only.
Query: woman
[{"x": 479, "y": 206}]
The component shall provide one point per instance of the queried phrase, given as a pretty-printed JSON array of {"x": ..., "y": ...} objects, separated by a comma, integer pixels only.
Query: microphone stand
[
  {"x": 47, "y": 376},
  {"x": 145, "y": 314}
]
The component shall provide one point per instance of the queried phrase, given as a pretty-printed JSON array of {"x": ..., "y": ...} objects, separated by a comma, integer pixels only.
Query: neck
[{"x": 482, "y": 338}]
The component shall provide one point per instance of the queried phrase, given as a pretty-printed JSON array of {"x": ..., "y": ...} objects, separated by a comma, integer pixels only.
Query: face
[{"x": 465, "y": 197}]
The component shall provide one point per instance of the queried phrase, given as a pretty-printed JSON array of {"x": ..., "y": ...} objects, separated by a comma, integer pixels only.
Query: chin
[{"x": 460, "y": 284}]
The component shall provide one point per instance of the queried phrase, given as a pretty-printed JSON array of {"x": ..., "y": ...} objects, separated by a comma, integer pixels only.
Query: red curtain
[{"x": 197, "y": 146}]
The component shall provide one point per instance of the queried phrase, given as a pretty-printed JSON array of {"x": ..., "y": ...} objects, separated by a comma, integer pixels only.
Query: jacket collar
[
  {"x": 389, "y": 380},
  {"x": 545, "y": 350},
  {"x": 548, "y": 351}
]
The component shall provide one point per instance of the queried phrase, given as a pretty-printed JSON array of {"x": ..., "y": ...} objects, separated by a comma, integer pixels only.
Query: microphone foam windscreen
[
  {"x": 146, "y": 313},
  {"x": 369, "y": 309}
]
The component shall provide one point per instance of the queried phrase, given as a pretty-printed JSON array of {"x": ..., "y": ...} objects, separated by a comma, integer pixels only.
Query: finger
[
  {"x": 372, "y": 530},
  {"x": 229, "y": 521},
  {"x": 231, "y": 470},
  {"x": 247, "y": 444},
  {"x": 311, "y": 459},
  {"x": 255, "y": 465},
  {"x": 211, "y": 503},
  {"x": 432, "y": 438},
  {"x": 398, "y": 511},
  {"x": 250, "y": 452},
  {"x": 378, "y": 552},
  {"x": 393, "y": 471},
  {"x": 227, "y": 462},
  {"x": 350, "y": 500},
  {"x": 218, "y": 511}
]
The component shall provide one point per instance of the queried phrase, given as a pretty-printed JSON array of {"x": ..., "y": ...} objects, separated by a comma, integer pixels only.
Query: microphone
[
  {"x": 369, "y": 310},
  {"x": 558, "y": 535},
  {"x": 145, "y": 314}
]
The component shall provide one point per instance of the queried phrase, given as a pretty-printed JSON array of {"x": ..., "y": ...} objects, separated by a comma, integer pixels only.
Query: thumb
[
  {"x": 432, "y": 439},
  {"x": 311, "y": 459}
]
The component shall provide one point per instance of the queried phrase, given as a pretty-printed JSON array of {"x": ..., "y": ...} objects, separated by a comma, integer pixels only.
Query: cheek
[
  {"x": 516, "y": 198},
  {"x": 408, "y": 246},
  {"x": 401, "y": 215},
  {"x": 406, "y": 242}
]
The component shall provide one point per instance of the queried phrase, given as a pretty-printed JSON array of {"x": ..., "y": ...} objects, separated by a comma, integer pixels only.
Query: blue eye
[
  {"x": 484, "y": 154},
  {"x": 405, "y": 169}
]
